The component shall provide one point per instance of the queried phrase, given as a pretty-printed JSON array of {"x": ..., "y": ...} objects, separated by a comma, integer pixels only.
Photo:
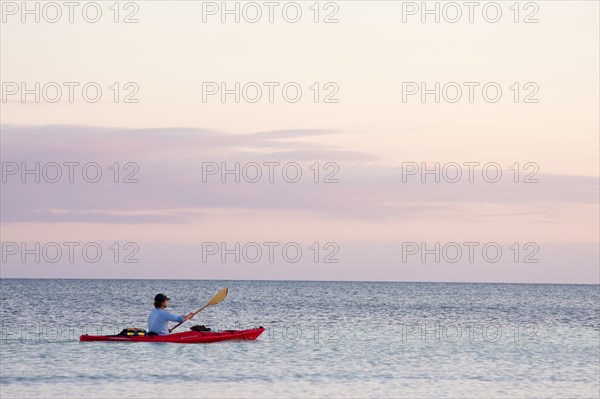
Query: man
[{"x": 159, "y": 318}]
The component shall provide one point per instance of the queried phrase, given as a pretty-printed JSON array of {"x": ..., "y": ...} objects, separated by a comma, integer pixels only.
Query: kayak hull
[{"x": 187, "y": 337}]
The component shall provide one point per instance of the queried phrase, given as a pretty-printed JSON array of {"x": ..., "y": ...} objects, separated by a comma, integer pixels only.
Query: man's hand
[{"x": 188, "y": 316}]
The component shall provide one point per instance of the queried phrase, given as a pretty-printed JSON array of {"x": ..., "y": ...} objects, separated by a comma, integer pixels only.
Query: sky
[{"x": 373, "y": 144}]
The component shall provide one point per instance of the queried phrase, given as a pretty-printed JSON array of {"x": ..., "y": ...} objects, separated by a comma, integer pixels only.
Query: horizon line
[{"x": 305, "y": 281}]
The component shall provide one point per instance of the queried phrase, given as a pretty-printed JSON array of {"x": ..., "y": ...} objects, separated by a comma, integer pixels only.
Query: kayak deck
[{"x": 187, "y": 337}]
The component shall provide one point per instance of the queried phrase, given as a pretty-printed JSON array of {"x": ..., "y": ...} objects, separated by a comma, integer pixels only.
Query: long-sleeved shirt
[{"x": 158, "y": 321}]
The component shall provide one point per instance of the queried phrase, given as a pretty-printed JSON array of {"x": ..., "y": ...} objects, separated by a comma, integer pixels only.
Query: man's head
[{"x": 160, "y": 301}]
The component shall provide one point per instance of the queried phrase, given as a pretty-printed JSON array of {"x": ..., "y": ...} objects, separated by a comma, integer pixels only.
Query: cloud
[{"x": 168, "y": 166}]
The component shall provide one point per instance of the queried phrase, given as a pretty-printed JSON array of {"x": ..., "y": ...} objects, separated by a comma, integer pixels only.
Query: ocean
[{"x": 322, "y": 339}]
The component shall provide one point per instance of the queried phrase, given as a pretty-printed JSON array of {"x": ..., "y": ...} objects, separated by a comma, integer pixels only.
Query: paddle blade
[{"x": 219, "y": 296}]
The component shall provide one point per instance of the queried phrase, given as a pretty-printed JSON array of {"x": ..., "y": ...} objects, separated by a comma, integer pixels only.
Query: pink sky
[
  {"x": 371, "y": 214},
  {"x": 363, "y": 146}
]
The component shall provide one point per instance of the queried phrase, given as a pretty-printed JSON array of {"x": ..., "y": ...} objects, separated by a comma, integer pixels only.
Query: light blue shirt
[{"x": 158, "y": 321}]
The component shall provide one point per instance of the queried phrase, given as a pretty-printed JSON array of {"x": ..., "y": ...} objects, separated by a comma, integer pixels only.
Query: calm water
[{"x": 323, "y": 339}]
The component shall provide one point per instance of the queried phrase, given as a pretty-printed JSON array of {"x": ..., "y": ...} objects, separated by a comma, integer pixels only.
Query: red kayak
[{"x": 187, "y": 337}]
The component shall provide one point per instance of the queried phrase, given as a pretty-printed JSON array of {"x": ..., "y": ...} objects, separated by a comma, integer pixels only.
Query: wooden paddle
[{"x": 215, "y": 299}]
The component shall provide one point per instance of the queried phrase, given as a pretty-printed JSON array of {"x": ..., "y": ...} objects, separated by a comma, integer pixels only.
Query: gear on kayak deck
[
  {"x": 199, "y": 327},
  {"x": 133, "y": 332}
]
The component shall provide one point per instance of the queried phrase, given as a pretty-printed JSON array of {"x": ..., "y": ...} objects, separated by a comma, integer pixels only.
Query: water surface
[{"x": 323, "y": 339}]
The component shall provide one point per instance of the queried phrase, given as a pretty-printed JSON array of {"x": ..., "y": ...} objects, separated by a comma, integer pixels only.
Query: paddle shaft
[
  {"x": 219, "y": 296},
  {"x": 193, "y": 314}
]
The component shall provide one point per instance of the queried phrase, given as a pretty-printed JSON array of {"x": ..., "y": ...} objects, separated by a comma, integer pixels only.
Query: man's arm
[{"x": 178, "y": 318}]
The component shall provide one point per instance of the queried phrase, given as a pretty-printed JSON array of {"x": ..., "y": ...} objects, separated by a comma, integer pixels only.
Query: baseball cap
[{"x": 161, "y": 298}]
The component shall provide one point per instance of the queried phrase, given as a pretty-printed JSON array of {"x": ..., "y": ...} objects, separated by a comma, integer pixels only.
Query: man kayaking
[{"x": 159, "y": 317}]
